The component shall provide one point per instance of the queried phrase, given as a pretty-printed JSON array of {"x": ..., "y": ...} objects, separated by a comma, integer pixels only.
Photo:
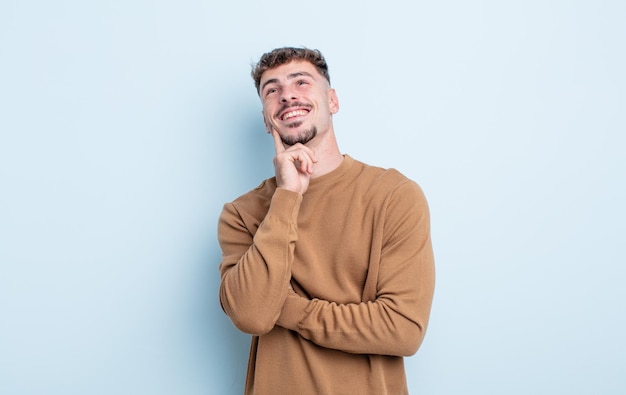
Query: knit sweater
[{"x": 334, "y": 285}]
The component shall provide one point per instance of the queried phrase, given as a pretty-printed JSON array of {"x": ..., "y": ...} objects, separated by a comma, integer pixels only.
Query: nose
[{"x": 288, "y": 95}]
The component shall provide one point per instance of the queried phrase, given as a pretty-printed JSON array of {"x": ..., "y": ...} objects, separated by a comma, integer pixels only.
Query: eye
[
  {"x": 269, "y": 91},
  {"x": 302, "y": 82}
]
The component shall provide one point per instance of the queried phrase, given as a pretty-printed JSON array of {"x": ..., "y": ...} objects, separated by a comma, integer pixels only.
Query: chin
[{"x": 302, "y": 136}]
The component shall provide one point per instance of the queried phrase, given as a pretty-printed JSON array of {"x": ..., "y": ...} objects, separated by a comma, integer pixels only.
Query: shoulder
[
  {"x": 383, "y": 179},
  {"x": 389, "y": 187},
  {"x": 256, "y": 201}
]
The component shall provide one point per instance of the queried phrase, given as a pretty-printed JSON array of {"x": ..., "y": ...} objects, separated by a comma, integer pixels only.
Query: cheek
[
  {"x": 268, "y": 108},
  {"x": 266, "y": 114}
]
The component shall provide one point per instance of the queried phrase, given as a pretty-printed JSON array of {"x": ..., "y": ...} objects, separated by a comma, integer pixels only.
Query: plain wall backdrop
[{"x": 125, "y": 126}]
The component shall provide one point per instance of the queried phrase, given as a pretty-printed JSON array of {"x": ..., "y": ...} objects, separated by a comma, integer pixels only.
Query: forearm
[
  {"x": 393, "y": 324},
  {"x": 255, "y": 270},
  {"x": 361, "y": 328}
]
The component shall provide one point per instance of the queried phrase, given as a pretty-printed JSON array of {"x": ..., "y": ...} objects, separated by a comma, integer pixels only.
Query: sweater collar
[{"x": 329, "y": 178}]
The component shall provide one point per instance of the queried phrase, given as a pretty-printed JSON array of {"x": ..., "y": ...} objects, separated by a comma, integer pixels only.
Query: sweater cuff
[{"x": 293, "y": 311}]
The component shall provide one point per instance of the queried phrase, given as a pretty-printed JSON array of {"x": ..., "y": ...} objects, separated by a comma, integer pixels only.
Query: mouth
[{"x": 293, "y": 114}]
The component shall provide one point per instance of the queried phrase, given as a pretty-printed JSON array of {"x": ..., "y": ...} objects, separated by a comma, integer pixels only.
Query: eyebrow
[{"x": 289, "y": 77}]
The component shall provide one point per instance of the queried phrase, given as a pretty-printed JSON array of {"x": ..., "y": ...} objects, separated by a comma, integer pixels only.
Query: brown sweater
[{"x": 335, "y": 285}]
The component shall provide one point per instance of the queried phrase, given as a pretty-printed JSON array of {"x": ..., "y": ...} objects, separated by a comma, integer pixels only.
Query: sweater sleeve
[
  {"x": 255, "y": 269},
  {"x": 395, "y": 322}
]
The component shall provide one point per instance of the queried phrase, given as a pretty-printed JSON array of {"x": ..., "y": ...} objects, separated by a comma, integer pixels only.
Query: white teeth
[{"x": 292, "y": 114}]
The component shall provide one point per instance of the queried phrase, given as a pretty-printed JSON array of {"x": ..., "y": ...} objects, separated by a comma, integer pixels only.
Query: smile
[{"x": 292, "y": 114}]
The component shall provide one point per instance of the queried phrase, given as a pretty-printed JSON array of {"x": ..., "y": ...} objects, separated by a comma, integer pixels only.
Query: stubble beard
[{"x": 303, "y": 137}]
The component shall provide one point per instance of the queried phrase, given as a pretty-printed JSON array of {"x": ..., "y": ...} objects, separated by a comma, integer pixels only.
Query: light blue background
[{"x": 125, "y": 125}]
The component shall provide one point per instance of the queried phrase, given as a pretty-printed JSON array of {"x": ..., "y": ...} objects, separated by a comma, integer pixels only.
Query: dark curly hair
[{"x": 281, "y": 56}]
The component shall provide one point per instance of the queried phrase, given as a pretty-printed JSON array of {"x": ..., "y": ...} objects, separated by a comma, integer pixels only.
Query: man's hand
[{"x": 293, "y": 166}]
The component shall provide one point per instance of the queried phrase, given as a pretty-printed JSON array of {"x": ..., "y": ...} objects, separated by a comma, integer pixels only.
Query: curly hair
[{"x": 281, "y": 56}]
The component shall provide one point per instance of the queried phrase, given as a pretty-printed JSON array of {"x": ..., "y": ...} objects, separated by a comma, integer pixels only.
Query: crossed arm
[{"x": 256, "y": 271}]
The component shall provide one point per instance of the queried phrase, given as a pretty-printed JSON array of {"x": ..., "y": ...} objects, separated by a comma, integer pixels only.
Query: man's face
[{"x": 297, "y": 101}]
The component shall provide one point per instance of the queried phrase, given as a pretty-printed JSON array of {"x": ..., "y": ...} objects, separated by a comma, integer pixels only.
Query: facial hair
[{"x": 303, "y": 137}]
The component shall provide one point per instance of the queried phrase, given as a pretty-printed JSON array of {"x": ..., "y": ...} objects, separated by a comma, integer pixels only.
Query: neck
[{"x": 327, "y": 153}]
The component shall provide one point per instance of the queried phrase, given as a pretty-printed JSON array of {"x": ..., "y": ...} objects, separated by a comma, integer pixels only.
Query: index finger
[{"x": 278, "y": 143}]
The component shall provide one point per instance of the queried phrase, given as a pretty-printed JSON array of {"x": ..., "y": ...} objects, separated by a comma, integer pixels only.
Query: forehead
[{"x": 288, "y": 70}]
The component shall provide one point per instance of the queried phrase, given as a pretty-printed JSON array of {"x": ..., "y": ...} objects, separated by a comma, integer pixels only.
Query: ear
[{"x": 333, "y": 101}]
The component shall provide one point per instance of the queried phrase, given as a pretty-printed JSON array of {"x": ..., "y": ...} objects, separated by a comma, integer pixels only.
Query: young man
[{"x": 329, "y": 264}]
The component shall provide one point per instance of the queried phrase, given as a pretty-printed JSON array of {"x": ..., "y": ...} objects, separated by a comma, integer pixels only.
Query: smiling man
[{"x": 329, "y": 263}]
